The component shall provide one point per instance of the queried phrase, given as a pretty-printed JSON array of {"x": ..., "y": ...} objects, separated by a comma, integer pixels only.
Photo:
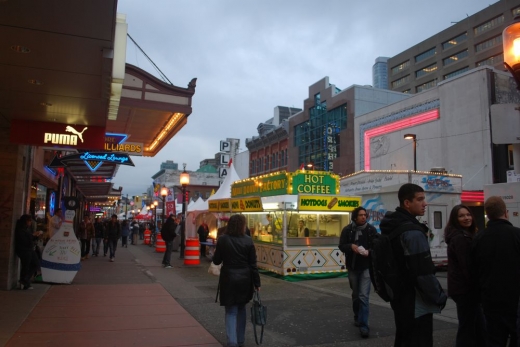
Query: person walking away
[
  {"x": 24, "y": 244},
  {"x": 125, "y": 232},
  {"x": 141, "y": 229},
  {"x": 55, "y": 223},
  {"x": 168, "y": 235},
  {"x": 495, "y": 259},
  {"x": 203, "y": 232},
  {"x": 86, "y": 231},
  {"x": 98, "y": 236},
  {"x": 459, "y": 233},
  {"x": 136, "y": 229},
  {"x": 113, "y": 234},
  {"x": 421, "y": 294},
  {"x": 238, "y": 277},
  {"x": 354, "y": 242}
]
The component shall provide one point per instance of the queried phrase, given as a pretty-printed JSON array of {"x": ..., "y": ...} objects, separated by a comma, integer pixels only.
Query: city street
[{"x": 307, "y": 313}]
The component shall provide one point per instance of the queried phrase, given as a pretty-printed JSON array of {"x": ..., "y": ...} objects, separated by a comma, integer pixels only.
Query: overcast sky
[{"x": 252, "y": 55}]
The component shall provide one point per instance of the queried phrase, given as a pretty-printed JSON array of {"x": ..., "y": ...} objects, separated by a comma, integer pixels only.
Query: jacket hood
[{"x": 393, "y": 219}]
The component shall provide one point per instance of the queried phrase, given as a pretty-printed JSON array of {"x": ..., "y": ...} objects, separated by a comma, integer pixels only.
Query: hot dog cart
[{"x": 280, "y": 206}]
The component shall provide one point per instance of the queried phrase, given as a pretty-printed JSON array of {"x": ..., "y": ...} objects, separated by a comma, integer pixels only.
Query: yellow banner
[
  {"x": 328, "y": 203},
  {"x": 247, "y": 205}
]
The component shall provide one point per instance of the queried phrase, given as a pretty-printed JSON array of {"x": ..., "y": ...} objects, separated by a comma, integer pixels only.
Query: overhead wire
[{"x": 163, "y": 76}]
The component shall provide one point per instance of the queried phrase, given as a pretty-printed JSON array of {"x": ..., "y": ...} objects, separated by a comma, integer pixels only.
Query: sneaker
[
  {"x": 112, "y": 259},
  {"x": 364, "y": 332},
  {"x": 167, "y": 266}
]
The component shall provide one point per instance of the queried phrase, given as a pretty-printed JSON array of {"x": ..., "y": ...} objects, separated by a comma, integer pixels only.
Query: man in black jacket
[
  {"x": 168, "y": 235},
  {"x": 354, "y": 242},
  {"x": 495, "y": 259},
  {"x": 421, "y": 294}
]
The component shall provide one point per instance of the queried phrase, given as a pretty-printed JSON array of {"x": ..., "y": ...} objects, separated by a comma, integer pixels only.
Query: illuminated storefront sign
[
  {"x": 57, "y": 135},
  {"x": 117, "y": 143},
  {"x": 328, "y": 203},
  {"x": 93, "y": 160},
  {"x": 246, "y": 205}
]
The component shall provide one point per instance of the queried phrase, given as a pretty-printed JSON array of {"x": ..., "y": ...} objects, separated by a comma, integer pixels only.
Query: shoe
[
  {"x": 112, "y": 259},
  {"x": 104, "y": 255},
  {"x": 356, "y": 324},
  {"x": 167, "y": 266},
  {"x": 364, "y": 332}
]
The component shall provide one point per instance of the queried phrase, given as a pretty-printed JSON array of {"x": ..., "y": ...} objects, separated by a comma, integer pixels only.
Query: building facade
[
  {"x": 472, "y": 42},
  {"x": 380, "y": 73}
]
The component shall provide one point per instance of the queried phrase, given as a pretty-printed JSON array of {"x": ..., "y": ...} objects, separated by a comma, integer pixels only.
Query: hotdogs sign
[
  {"x": 306, "y": 182},
  {"x": 328, "y": 203}
]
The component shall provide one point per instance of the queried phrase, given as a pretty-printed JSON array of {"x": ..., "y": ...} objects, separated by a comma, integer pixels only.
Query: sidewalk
[
  {"x": 109, "y": 304},
  {"x": 136, "y": 302}
]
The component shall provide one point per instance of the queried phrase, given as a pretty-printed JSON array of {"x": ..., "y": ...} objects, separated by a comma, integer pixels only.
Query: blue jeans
[
  {"x": 236, "y": 325},
  {"x": 96, "y": 242},
  {"x": 360, "y": 284},
  {"x": 112, "y": 245}
]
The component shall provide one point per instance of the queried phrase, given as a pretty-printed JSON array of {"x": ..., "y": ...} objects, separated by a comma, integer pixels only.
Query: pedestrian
[
  {"x": 354, "y": 242},
  {"x": 125, "y": 232},
  {"x": 459, "y": 233},
  {"x": 238, "y": 277},
  {"x": 140, "y": 231},
  {"x": 168, "y": 235},
  {"x": 136, "y": 229},
  {"x": 24, "y": 244},
  {"x": 86, "y": 232},
  {"x": 203, "y": 232},
  {"x": 421, "y": 294},
  {"x": 495, "y": 259},
  {"x": 112, "y": 235},
  {"x": 55, "y": 223},
  {"x": 98, "y": 236}
]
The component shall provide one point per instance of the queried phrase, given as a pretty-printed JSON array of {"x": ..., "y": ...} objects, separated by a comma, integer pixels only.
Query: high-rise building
[
  {"x": 380, "y": 73},
  {"x": 472, "y": 42}
]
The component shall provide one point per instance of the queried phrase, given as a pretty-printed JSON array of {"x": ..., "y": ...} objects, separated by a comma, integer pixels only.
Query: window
[
  {"x": 266, "y": 163},
  {"x": 426, "y": 86},
  {"x": 401, "y": 81},
  {"x": 426, "y": 70},
  {"x": 455, "y": 73},
  {"x": 406, "y": 91},
  {"x": 400, "y": 67},
  {"x": 425, "y": 55},
  {"x": 437, "y": 220},
  {"x": 455, "y": 41},
  {"x": 494, "y": 60},
  {"x": 510, "y": 157},
  {"x": 492, "y": 42},
  {"x": 516, "y": 11},
  {"x": 455, "y": 58},
  {"x": 495, "y": 22}
]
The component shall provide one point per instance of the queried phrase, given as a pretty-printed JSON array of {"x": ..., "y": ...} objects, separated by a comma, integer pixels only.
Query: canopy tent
[
  {"x": 199, "y": 205},
  {"x": 224, "y": 191}
]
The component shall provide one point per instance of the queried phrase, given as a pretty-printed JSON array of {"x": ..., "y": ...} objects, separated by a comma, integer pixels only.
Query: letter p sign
[{"x": 225, "y": 146}]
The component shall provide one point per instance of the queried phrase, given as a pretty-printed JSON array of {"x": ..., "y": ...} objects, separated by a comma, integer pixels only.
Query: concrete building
[
  {"x": 472, "y": 42},
  {"x": 452, "y": 125},
  {"x": 380, "y": 73},
  {"x": 323, "y": 133}
]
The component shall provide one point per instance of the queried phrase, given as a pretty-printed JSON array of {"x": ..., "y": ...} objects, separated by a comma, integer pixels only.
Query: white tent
[
  {"x": 199, "y": 205},
  {"x": 224, "y": 191}
]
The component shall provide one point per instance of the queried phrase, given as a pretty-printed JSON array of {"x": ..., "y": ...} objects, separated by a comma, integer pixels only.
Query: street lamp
[
  {"x": 154, "y": 207},
  {"x": 511, "y": 46},
  {"x": 164, "y": 192},
  {"x": 414, "y": 138},
  {"x": 184, "y": 179}
]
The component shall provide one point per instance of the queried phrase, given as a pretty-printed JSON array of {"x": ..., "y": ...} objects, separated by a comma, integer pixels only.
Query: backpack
[{"x": 384, "y": 269}]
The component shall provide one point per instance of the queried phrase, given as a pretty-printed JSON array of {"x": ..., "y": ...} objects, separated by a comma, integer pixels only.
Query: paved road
[{"x": 307, "y": 313}]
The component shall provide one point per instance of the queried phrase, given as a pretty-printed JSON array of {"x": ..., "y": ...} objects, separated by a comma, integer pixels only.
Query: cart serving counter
[{"x": 295, "y": 219}]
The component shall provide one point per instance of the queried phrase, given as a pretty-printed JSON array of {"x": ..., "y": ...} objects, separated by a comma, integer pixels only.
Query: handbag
[
  {"x": 258, "y": 315},
  {"x": 214, "y": 269}
]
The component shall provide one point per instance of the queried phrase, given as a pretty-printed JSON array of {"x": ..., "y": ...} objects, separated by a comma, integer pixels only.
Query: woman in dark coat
[
  {"x": 24, "y": 239},
  {"x": 238, "y": 276},
  {"x": 459, "y": 233}
]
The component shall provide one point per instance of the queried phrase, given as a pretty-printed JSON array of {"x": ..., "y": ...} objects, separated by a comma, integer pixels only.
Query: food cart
[{"x": 278, "y": 206}]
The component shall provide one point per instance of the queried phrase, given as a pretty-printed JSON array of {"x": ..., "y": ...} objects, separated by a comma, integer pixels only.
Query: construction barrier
[
  {"x": 147, "y": 236},
  {"x": 192, "y": 252},
  {"x": 160, "y": 245}
]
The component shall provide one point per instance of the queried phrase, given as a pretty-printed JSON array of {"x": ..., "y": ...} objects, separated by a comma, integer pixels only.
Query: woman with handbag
[{"x": 238, "y": 277}]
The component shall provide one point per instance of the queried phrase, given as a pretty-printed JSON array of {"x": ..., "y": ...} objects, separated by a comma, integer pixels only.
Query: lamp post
[
  {"x": 511, "y": 46},
  {"x": 164, "y": 192},
  {"x": 414, "y": 138},
  {"x": 184, "y": 179},
  {"x": 154, "y": 206}
]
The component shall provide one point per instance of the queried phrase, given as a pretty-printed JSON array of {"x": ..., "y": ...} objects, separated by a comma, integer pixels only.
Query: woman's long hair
[
  {"x": 453, "y": 222},
  {"x": 236, "y": 225},
  {"x": 21, "y": 224}
]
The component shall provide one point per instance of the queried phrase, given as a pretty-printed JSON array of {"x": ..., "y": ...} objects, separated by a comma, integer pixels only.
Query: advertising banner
[
  {"x": 328, "y": 203},
  {"x": 246, "y": 205}
]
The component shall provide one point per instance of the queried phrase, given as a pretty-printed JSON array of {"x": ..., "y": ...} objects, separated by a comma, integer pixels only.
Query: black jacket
[
  {"x": 239, "y": 274},
  {"x": 459, "y": 276},
  {"x": 414, "y": 259},
  {"x": 23, "y": 239},
  {"x": 113, "y": 231},
  {"x": 495, "y": 260},
  {"x": 168, "y": 230},
  {"x": 355, "y": 261}
]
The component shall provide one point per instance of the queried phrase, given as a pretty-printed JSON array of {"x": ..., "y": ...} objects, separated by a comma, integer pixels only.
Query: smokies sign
[{"x": 57, "y": 135}]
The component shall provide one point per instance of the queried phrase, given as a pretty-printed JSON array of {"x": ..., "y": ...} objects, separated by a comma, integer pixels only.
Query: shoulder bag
[{"x": 258, "y": 315}]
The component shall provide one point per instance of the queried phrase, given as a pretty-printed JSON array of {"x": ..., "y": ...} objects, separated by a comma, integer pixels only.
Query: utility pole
[{"x": 126, "y": 206}]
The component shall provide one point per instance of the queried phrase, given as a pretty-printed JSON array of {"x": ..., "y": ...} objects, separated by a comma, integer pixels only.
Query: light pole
[
  {"x": 164, "y": 192},
  {"x": 511, "y": 46},
  {"x": 184, "y": 179},
  {"x": 154, "y": 213},
  {"x": 414, "y": 138}
]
